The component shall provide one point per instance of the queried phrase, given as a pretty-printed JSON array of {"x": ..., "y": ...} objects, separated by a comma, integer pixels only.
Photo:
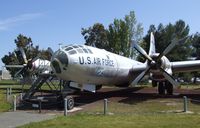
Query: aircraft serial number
[{"x": 96, "y": 61}]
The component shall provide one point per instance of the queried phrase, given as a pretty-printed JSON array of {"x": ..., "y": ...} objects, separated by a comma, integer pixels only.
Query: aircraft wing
[{"x": 185, "y": 66}]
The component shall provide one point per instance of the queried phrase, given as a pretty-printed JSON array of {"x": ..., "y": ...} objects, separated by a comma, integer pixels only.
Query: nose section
[
  {"x": 60, "y": 61},
  {"x": 56, "y": 66}
]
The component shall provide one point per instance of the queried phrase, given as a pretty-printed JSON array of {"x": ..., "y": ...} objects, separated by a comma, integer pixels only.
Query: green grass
[
  {"x": 121, "y": 121},
  {"x": 9, "y": 82},
  {"x": 128, "y": 113},
  {"x": 151, "y": 113},
  {"x": 4, "y": 105}
]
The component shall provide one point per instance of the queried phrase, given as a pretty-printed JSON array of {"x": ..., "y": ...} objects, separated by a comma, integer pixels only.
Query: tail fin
[{"x": 152, "y": 48}]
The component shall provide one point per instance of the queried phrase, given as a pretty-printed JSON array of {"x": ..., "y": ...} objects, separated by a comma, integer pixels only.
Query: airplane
[{"x": 88, "y": 68}]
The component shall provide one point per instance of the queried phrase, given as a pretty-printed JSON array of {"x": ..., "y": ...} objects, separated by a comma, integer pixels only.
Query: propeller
[
  {"x": 171, "y": 46},
  {"x": 154, "y": 63},
  {"x": 139, "y": 77},
  {"x": 23, "y": 55},
  {"x": 141, "y": 51},
  {"x": 27, "y": 64},
  {"x": 169, "y": 77}
]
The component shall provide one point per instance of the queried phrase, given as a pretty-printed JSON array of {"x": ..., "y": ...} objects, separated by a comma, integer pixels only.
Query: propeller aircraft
[{"x": 88, "y": 68}]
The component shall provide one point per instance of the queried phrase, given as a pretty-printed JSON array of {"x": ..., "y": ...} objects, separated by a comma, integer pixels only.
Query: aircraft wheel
[
  {"x": 161, "y": 88},
  {"x": 70, "y": 102},
  {"x": 169, "y": 88},
  {"x": 98, "y": 87},
  {"x": 154, "y": 83}
]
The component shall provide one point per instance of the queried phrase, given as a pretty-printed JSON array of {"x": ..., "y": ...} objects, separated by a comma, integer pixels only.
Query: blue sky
[{"x": 50, "y": 22}]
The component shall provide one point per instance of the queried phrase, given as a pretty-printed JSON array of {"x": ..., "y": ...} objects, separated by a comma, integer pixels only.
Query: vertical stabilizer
[{"x": 152, "y": 48}]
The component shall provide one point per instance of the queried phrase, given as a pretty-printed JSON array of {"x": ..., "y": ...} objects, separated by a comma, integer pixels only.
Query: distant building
[{"x": 4, "y": 74}]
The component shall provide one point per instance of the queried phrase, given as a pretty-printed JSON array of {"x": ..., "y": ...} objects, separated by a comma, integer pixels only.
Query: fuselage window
[{"x": 72, "y": 52}]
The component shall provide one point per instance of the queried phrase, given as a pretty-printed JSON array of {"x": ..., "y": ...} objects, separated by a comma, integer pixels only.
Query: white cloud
[{"x": 13, "y": 21}]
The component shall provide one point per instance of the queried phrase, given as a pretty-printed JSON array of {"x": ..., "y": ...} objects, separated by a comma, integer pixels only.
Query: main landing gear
[
  {"x": 70, "y": 102},
  {"x": 163, "y": 87}
]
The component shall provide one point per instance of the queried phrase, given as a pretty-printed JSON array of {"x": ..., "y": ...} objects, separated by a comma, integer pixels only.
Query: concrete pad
[{"x": 18, "y": 118}]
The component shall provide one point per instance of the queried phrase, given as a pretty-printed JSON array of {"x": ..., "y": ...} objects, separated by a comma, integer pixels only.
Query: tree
[
  {"x": 195, "y": 39},
  {"x": 117, "y": 38},
  {"x": 165, "y": 35},
  {"x": 96, "y": 36},
  {"x": 196, "y": 45}
]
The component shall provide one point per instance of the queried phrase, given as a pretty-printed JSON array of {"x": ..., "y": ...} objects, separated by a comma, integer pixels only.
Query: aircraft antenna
[{"x": 60, "y": 45}]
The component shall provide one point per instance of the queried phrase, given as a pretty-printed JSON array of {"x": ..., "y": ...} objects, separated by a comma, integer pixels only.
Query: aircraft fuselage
[{"x": 84, "y": 64}]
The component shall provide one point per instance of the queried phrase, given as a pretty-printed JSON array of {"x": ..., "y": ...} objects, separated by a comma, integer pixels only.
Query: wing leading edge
[{"x": 185, "y": 66}]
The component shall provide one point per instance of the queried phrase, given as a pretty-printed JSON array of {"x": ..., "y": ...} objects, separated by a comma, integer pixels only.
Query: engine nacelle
[
  {"x": 40, "y": 66},
  {"x": 163, "y": 63}
]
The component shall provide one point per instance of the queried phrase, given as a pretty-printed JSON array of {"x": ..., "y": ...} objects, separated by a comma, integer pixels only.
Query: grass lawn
[
  {"x": 4, "y": 105},
  {"x": 121, "y": 121},
  {"x": 152, "y": 113},
  {"x": 124, "y": 113},
  {"x": 9, "y": 82}
]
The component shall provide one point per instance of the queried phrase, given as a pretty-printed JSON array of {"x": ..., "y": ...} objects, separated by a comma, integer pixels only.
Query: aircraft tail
[{"x": 152, "y": 48}]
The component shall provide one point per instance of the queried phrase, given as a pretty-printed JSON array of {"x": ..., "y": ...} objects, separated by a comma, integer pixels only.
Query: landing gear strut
[
  {"x": 161, "y": 88},
  {"x": 169, "y": 88},
  {"x": 165, "y": 87}
]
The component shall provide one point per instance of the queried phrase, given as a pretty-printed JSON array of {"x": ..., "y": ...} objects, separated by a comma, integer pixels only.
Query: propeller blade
[
  {"x": 141, "y": 51},
  {"x": 171, "y": 46},
  {"x": 23, "y": 55},
  {"x": 152, "y": 49},
  {"x": 18, "y": 72},
  {"x": 14, "y": 66},
  {"x": 169, "y": 77},
  {"x": 139, "y": 77}
]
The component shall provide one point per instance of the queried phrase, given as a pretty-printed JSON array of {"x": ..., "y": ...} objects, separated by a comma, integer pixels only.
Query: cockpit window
[
  {"x": 80, "y": 46},
  {"x": 74, "y": 49},
  {"x": 75, "y": 46},
  {"x": 62, "y": 57},
  {"x": 85, "y": 50},
  {"x": 90, "y": 51},
  {"x": 80, "y": 50},
  {"x": 68, "y": 48},
  {"x": 72, "y": 52}
]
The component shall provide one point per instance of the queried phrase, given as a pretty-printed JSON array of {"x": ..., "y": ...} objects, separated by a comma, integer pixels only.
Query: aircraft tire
[
  {"x": 70, "y": 102},
  {"x": 98, "y": 87},
  {"x": 169, "y": 88},
  {"x": 154, "y": 83},
  {"x": 161, "y": 88}
]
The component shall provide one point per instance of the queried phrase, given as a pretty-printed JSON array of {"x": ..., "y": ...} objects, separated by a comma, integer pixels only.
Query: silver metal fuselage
[{"x": 95, "y": 67}]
